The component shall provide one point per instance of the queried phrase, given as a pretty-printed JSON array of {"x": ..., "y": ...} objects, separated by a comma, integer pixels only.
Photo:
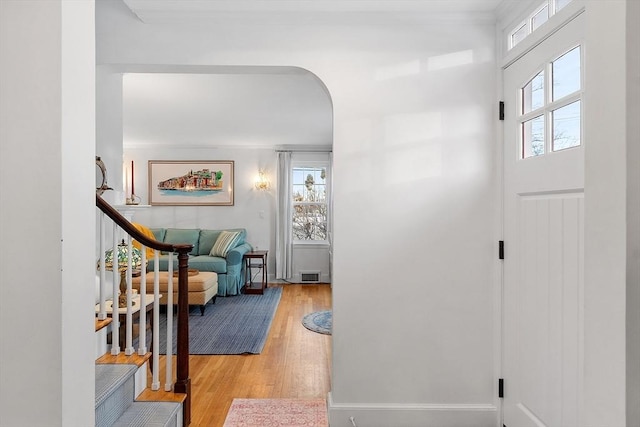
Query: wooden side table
[
  {"x": 122, "y": 311},
  {"x": 255, "y": 259}
]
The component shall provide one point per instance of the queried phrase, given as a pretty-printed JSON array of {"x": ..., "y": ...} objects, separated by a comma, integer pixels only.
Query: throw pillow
[
  {"x": 226, "y": 241},
  {"x": 147, "y": 232}
]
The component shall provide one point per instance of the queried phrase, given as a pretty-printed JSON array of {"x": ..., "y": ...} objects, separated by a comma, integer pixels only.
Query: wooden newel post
[{"x": 183, "y": 382}]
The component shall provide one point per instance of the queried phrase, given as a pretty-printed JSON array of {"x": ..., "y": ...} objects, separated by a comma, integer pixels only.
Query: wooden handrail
[{"x": 183, "y": 381}]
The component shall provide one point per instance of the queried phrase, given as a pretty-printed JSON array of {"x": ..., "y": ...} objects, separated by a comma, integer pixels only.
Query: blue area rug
[
  {"x": 233, "y": 325},
  {"x": 319, "y": 321}
]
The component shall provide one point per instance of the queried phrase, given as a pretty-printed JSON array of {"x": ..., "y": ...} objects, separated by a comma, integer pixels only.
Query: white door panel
[{"x": 544, "y": 241}]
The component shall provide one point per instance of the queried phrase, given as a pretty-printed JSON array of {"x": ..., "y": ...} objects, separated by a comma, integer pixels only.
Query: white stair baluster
[
  {"x": 142, "y": 328},
  {"x": 168, "y": 385},
  {"x": 155, "y": 381},
  {"x": 102, "y": 313},
  {"x": 129, "y": 316},
  {"x": 115, "y": 324}
]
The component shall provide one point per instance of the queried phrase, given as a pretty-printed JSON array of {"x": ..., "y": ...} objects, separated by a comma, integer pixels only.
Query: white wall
[
  {"x": 47, "y": 114},
  {"x": 633, "y": 213},
  {"x": 606, "y": 142},
  {"x": 414, "y": 180}
]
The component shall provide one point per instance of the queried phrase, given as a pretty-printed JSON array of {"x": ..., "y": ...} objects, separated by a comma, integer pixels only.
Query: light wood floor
[{"x": 295, "y": 362}]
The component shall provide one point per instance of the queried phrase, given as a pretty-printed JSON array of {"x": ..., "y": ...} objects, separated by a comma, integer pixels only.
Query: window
[
  {"x": 310, "y": 202},
  {"x": 550, "y": 109},
  {"x": 541, "y": 15}
]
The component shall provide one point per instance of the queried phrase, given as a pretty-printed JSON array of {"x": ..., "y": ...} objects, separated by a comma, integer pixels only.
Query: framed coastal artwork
[{"x": 191, "y": 183}]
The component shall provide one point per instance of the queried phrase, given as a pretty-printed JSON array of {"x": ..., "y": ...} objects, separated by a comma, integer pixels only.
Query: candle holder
[{"x": 133, "y": 200}]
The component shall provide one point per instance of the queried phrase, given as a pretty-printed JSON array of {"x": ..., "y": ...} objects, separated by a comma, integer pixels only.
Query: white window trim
[
  {"x": 299, "y": 163},
  {"x": 528, "y": 21},
  {"x": 566, "y": 14}
]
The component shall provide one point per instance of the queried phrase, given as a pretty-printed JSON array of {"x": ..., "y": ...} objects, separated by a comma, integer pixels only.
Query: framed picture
[{"x": 191, "y": 183}]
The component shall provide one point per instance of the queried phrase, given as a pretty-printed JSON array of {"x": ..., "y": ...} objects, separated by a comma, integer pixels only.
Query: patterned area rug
[
  {"x": 233, "y": 325},
  {"x": 319, "y": 321},
  {"x": 277, "y": 413}
]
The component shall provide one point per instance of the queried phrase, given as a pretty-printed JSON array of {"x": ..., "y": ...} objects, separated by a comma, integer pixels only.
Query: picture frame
[{"x": 191, "y": 182}]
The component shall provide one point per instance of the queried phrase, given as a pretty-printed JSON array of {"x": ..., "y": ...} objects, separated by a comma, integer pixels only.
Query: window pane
[
  {"x": 310, "y": 222},
  {"x": 561, "y": 3},
  {"x": 309, "y": 184},
  {"x": 566, "y": 127},
  {"x": 518, "y": 35},
  {"x": 533, "y": 137},
  {"x": 540, "y": 18},
  {"x": 533, "y": 94},
  {"x": 566, "y": 74}
]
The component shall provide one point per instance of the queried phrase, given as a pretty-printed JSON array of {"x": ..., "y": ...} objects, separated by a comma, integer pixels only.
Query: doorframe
[{"x": 508, "y": 14}]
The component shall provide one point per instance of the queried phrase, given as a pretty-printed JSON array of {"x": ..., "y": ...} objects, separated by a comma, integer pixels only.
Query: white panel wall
[
  {"x": 47, "y": 58},
  {"x": 414, "y": 189}
]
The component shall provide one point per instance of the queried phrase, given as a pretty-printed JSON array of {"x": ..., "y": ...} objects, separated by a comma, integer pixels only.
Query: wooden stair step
[
  {"x": 122, "y": 359},
  {"x": 149, "y": 395},
  {"x": 101, "y": 324}
]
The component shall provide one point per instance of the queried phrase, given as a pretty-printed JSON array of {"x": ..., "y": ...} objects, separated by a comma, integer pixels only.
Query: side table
[
  {"x": 122, "y": 311},
  {"x": 255, "y": 259}
]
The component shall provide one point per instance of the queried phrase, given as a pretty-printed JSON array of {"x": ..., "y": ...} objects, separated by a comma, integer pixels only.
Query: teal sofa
[{"x": 230, "y": 269}]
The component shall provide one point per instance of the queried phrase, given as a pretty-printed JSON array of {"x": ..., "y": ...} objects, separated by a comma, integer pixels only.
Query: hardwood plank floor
[{"x": 295, "y": 362}]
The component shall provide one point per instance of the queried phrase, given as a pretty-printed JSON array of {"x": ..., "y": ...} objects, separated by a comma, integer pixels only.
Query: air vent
[{"x": 309, "y": 276}]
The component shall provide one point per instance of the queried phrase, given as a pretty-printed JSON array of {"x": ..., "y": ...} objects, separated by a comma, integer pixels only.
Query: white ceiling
[{"x": 192, "y": 11}]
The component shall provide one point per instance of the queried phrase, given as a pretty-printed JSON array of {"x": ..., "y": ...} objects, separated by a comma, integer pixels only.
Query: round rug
[{"x": 319, "y": 321}]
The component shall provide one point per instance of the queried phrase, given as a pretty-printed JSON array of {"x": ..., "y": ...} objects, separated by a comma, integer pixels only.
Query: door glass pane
[
  {"x": 566, "y": 74},
  {"x": 540, "y": 18},
  {"x": 518, "y": 35},
  {"x": 566, "y": 126},
  {"x": 533, "y": 94},
  {"x": 561, "y": 3},
  {"x": 533, "y": 137}
]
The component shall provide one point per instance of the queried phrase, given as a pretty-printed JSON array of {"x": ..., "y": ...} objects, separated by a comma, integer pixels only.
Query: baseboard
[{"x": 411, "y": 415}]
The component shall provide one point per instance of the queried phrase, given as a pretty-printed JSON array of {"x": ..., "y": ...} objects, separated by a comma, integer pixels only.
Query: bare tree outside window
[{"x": 309, "y": 203}]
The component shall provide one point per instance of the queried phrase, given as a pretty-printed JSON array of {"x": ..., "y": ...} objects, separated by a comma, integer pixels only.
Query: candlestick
[{"x": 132, "y": 175}]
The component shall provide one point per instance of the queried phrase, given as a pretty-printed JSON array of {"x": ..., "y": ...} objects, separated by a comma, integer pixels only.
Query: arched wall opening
[{"x": 238, "y": 113}]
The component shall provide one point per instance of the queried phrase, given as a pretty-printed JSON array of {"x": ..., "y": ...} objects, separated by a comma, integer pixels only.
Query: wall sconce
[{"x": 262, "y": 183}]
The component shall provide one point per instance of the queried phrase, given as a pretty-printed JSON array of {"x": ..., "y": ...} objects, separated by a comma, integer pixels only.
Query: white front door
[{"x": 544, "y": 232}]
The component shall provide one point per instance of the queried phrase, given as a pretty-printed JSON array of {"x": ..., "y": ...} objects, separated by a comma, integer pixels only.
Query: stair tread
[
  {"x": 101, "y": 324},
  {"x": 109, "y": 378},
  {"x": 149, "y": 414},
  {"x": 122, "y": 359},
  {"x": 149, "y": 395}
]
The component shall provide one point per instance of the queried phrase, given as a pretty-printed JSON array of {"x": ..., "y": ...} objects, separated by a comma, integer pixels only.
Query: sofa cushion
[
  {"x": 159, "y": 233},
  {"x": 208, "y": 263},
  {"x": 226, "y": 241},
  {"x": 208, "y": 239},
  {"x": 176, "y": 236}
]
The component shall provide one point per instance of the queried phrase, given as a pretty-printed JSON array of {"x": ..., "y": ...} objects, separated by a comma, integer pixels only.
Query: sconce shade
[{"x": 262, "y": 183}]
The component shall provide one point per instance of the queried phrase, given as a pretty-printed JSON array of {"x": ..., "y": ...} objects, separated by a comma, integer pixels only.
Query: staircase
[
  {"x": 122, "y": 396},
  {"x": 116, "y": 405}
]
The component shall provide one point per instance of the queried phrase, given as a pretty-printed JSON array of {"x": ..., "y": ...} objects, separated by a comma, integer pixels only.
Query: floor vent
[{"x": 309, "y": 276}]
